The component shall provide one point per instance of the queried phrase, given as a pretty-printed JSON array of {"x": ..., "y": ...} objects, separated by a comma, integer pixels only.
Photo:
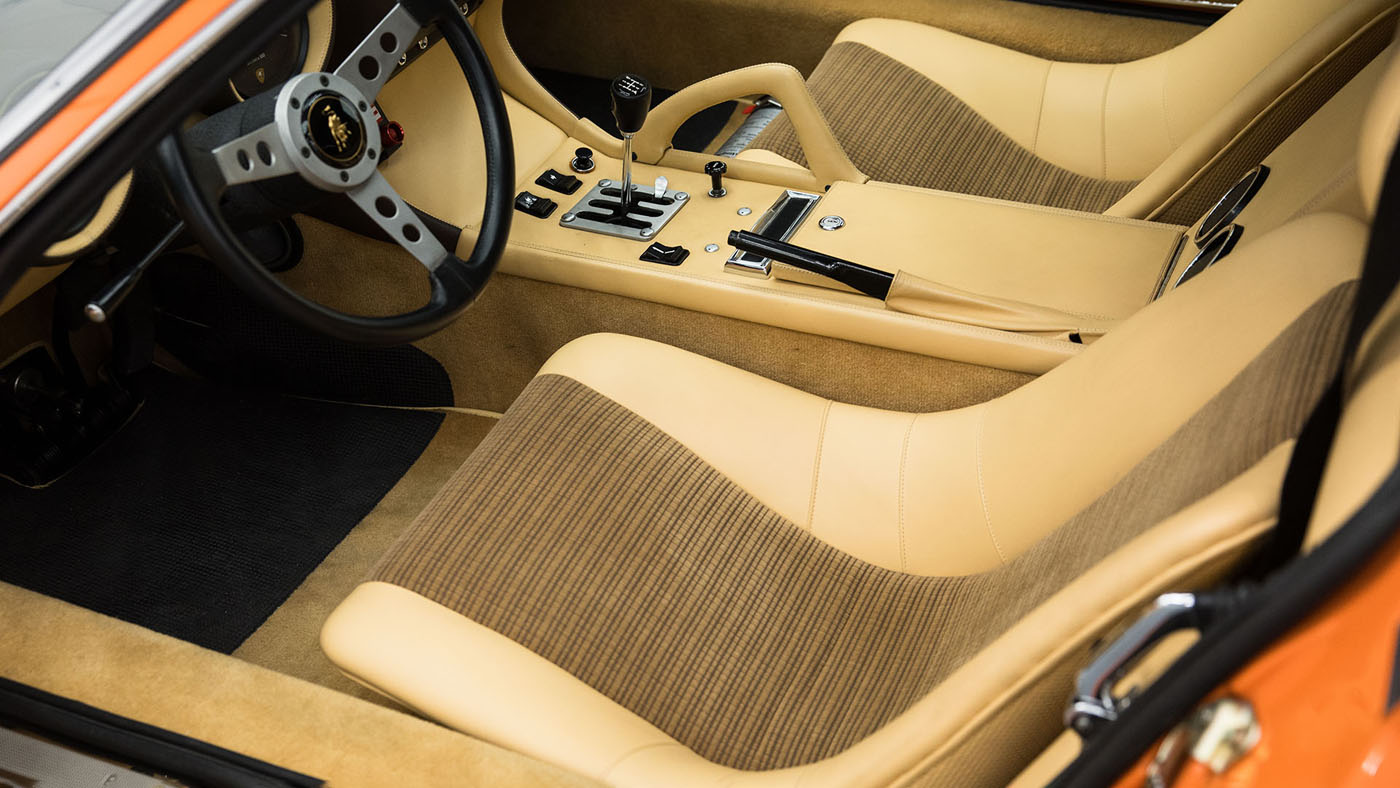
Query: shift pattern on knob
[{"x": 631, "y": 101}]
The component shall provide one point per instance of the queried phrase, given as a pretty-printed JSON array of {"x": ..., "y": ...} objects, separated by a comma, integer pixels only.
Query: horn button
[{"x": 332, "y": 126}]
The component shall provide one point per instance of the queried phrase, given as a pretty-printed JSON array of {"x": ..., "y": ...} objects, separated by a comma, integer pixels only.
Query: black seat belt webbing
[{"x": 1379, "y": 276}]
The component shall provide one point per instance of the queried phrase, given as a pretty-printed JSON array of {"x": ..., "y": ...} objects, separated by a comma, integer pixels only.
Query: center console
[{"x": 1015, "y": 286}]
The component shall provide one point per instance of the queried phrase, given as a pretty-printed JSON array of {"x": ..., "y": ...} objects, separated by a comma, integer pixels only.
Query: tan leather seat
[
  {"x": 1158, "y": 138},
  {"x": 658, "y": 569}
]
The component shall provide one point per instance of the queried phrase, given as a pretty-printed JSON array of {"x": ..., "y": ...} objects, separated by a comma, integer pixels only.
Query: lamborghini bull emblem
[
  {"x": 334, "y": 129},
  {"x": 338, "y": 130}
]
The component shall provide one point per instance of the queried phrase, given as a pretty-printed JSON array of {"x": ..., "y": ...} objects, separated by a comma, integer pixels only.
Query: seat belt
[{"x": 1379, "y": 276}]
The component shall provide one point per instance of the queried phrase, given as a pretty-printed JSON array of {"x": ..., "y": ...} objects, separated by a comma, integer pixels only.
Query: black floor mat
[
  {"x": 208, "y": 509},
  {"x": 588, "y": 97}
]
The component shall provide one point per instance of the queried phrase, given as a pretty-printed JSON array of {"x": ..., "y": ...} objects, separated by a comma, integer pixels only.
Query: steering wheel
[{"x": 317, "y": 135}]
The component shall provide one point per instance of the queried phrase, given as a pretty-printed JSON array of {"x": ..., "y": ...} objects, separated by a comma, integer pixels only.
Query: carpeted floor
[
  {"x": 289, "y": 640},
  {"x": 202, "y": 515}
]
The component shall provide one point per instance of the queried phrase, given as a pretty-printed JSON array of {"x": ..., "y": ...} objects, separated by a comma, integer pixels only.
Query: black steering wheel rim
[{"x": 455, "y": 282}]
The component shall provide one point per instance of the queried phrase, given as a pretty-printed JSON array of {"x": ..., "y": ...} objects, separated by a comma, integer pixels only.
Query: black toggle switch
[
  {"x": 541, "y": 207},
  {"x": 666, "y": 255},
  {"x": 559, "y": 182},
  {"x": 716, "y": 170}
]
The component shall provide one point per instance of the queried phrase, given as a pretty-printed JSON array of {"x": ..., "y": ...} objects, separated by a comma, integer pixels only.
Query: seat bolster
[{"x": 476, "y": 680}]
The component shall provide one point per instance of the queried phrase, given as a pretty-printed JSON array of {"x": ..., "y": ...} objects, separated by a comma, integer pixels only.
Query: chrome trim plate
[{"x": 779, "y": 222}]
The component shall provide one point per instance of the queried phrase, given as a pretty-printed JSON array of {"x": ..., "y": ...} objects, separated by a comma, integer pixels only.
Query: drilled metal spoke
[
  {"x": 256, "y": 156},
  {"x": 370, "y": 65},
  {"x": 381, "y": 203}
]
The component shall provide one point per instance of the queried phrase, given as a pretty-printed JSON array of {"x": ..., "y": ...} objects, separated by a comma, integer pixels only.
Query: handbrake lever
[{"x": 870, "y": 281}]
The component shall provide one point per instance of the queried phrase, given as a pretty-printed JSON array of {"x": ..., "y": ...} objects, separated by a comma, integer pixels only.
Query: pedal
[{"x": 46, "y": 429}]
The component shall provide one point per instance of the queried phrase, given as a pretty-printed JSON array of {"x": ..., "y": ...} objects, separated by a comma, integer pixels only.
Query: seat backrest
[{"x": 1368, "y": 436}]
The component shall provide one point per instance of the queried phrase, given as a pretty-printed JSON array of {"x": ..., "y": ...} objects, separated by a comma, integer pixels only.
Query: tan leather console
[
  {"x": 999, "y": 281},
  {"x": 1096, "y": 267}
]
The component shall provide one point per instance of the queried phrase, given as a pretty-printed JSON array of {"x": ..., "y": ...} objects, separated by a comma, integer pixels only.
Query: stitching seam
[
  {"x": 1040, "y": 116},
  {"x": 982, "y": 486},
  {"x": 817, "y": 467},
  {"x": 903, "y": 465},
  {"x": 1103, "y": 119}
]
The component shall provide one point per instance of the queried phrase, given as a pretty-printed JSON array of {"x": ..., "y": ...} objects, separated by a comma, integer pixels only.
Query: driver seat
[{"x": 658, "y": 569}]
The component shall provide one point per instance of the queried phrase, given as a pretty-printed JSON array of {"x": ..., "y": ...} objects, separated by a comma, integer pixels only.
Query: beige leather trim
[
  {"x": 1194, "y": 156},
  {"x": 441, "y": 167},
  {"x": 1122, "y": 121},
  {"x": 518, "y": 83},
  {"x": 320, "y": 28},
  {"x": 107, "y": 213},
  {"x": 588, "y": 732},
  {"x": 1050, "y": 763},
  {"x": 1314, "y": 170},
  {"x": 1004, "y": 469},
  {"x": 544, "y": 250},
  {"x": 30, "y": 282},
  {"x": 766, "y": 157},
  {"x": 919, "y": 296},
  {"x": 478, "y": 681},
  {"x": 825, "y": 156},
  {"x": 1379, "y": 133},
  {"x": 1100, "y": 268},
  {"x": 1368, "y": 436}
]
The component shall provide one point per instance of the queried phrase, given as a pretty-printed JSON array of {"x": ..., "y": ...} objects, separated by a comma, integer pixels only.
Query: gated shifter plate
[{"x": 599, "y": 211}]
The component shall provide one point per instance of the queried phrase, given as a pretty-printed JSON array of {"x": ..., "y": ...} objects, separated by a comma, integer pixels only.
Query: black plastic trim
[
  {"x": 97, "y": 732},
  {"x": 1203, "y": 18}
]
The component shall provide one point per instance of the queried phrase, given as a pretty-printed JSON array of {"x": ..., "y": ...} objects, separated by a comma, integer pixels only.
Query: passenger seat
[{"x": 1158, "y": 138}]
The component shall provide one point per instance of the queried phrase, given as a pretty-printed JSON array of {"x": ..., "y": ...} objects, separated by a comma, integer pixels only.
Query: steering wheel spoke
[
  {"x": 256, "y": 156},
  {"x": 376, "y": 57},
  {"x": 381, "y": 203}
]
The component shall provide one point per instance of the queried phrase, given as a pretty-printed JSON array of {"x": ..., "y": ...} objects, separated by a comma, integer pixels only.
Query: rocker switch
[
  {"x": 559, "y": 182},
  {"x": 666, "y": 255},
  {"x": 540, "y": 207}
]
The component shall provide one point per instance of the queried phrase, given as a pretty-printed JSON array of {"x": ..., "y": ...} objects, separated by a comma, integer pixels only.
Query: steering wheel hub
[{"x": 332, "y": 128}]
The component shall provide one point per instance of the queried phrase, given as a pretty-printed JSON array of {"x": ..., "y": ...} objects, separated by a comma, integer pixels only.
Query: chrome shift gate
[{"x": 601, "y": 211}]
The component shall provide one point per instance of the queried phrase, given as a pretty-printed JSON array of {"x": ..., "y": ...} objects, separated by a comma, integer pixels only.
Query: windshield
[{"x": 35, "y": 35}]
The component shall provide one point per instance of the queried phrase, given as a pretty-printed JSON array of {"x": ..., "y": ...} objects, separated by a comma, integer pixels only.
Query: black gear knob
[{"x": 631, "y": 101}]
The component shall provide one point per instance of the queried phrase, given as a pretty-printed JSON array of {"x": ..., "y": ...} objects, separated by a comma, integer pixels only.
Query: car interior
[{"x": 706, "y": 392}]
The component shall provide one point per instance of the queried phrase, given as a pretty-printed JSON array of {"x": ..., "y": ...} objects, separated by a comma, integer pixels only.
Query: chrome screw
[
  {"x": 682, "y": 196},
  {"x": 605, "y": 183},
  {"x": 648, "y": 232},
  {"x": 712, "y": 247},
  {"x": 568, "y": 217},
  {"x": 745, "y": 211}
]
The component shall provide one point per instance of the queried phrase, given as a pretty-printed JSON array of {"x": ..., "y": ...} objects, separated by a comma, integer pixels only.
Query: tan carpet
[
  {"x": 289, "y": 641},
  {"x": 494, "y": 349},
  {"x": 136, "y": 673}
]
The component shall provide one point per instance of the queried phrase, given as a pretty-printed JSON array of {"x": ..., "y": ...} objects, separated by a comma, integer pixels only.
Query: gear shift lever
[{"x": 631, "y": 101}]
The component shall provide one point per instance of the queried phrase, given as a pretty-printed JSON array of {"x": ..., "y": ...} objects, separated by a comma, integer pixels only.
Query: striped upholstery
[
  {"x": 899, "y": 126},
  {"x": 589, "y": 536}
]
